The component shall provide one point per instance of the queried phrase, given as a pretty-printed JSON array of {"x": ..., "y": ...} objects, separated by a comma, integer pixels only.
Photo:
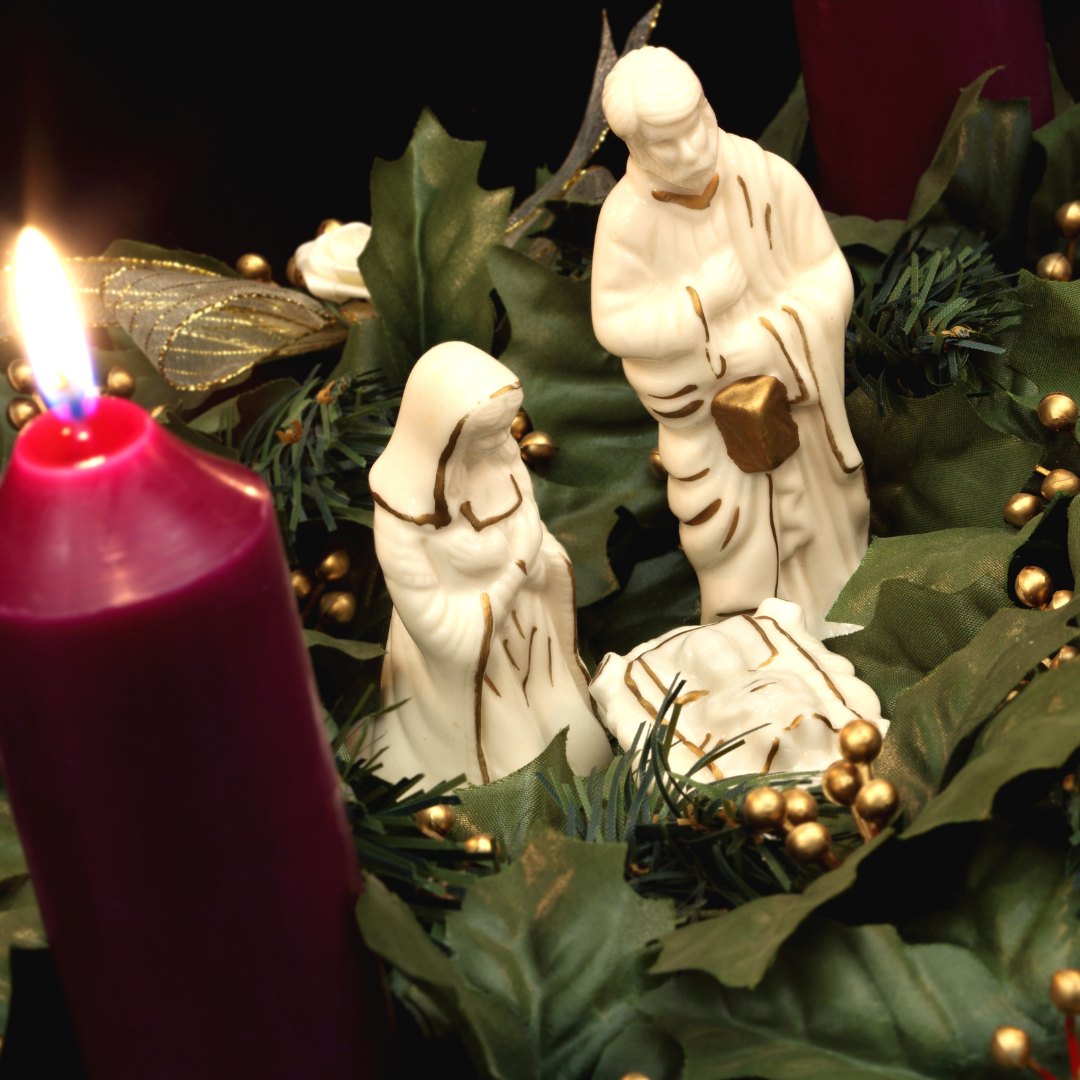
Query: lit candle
[{"x": 162, "y": 743}]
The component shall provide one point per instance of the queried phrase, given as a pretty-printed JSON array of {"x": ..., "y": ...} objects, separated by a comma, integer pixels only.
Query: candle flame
[{"x": 51, "y": 330}]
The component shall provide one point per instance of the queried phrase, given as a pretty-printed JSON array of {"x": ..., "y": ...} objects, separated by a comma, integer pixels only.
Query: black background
[{"x": 228, "y": 128}]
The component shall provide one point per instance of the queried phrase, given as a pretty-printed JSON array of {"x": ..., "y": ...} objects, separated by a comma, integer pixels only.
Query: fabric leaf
[{"x": 426, "y": 261}]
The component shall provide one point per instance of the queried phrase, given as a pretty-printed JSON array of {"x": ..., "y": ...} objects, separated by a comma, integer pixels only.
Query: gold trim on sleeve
[
  {"x": 746, "y": 196},
  {"x": 481, "y": 671}
]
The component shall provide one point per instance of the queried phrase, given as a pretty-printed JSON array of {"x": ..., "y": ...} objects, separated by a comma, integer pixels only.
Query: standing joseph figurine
[
  {"x": 483, "y": 639},
  {"x": 717, "y": 279}
]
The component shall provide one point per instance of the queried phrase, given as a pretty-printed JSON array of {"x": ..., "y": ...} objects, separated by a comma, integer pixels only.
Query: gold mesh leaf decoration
[{"x": 199, "y": 328}]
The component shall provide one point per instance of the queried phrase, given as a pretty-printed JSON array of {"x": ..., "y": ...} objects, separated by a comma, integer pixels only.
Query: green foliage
[
  {"x": 937, "y": 462},
  {"x": 576, "y": 392},
  {"x": 1060, "y": 142},
  {"x": 920, "y": 325},
  {"x": 313, "y": 453},
  {"x": 548, "y": 958},
  {"x": 786, "y": 132},
  {"x": 426, "y": 262},
  {"x": 948, "y": 583},
  {"x": 428, "y": 871},
  {"x": 509, "y": 809},
  {"x": 876, "y": 1001},
  {"x": 683, "y": 834}
]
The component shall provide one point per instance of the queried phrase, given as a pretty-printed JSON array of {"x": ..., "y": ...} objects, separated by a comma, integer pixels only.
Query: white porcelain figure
[
  {"x": 716, "y": 277},
  {"x": 483, "y": 639},
  {"x": 745, "y": 671},
  {"x": 329, "y": 263}
]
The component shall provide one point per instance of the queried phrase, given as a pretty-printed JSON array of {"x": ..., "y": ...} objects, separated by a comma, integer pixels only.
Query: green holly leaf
[
  {"x": 548, "y": 959},
  {"x": 1038, "y": 729},
  {"x": 786, "y": 132},
  {"x": 935, "y": 180},
  {"x": 993, "y": 146},
  {"x": 934, "y": 463},
  {"x": 426, "y": 261},
  {"x": 937, "y": 719},
  {"x": 850, "y": 230},
  {"x": 918, "y": 1001},
  {"x": 509, "y": 808},
  {"x": 915, "y": 629},
  {"x": 576, "y": 392},
  {"x": 1060, "y": 181},
  {"x": 739, "y": 947},
  {"x": 923, "y": 597},
  {"x": 555, "y": 950},
  {"x": 662, "y": 593},
  {"x": 356, "y": 650},
  {"x": 1046, "y": 344}
]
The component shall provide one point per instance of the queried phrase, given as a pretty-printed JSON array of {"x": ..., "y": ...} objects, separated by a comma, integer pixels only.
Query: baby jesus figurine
[{"x": 717, "y": 279}]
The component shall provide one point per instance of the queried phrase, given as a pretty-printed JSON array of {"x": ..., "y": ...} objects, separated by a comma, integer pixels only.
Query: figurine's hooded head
[
  {"x": 455, "y": 412},
  {"x": 654, "y": 102}
]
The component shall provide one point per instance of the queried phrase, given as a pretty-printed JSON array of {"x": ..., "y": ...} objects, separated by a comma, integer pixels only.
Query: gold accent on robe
[{"x": 691, "y": 202}]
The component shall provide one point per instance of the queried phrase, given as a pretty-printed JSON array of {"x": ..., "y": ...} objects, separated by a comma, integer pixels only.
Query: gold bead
[
  {"x": 119, "y": 382},
  {"x": 437, "y": 819},
  {"x": 20, "y": 412},
  {"x": 1054, "y": 267},
  {"x": 656, "y": 466},
  {"x": 327, "y": 225},
  {"x": 1059, "y": 480},
  {"x": 253, "y": 267},
  {"x": 806, "y": 843},
  {"x": 799, "y": 806},
  {"x": 1065, "y": 990},
  {"x": 293, "y": 274},
  {"x": 1033, "y": 586},
  {"x": 521, "y": 425},
  {"x": 1010, "y": 1048},
  {"x": 335, "y": 566},
  {"x": 1058, "y": 412},
  {"x": 480, "y": 845},
  {"x": 21, "y": 376},
  {"x": 1067, "y": 219},
  {"x": 763, "y": 808},
  {"x": 860, "y": 741},
  {"x": 1060, "y": 599},
  {"x": 537, "y": 447},
  {"x": 338, "y": 607},
  {"x": 1066, "y": 653},
  {"x": 301, "y": 583},
  {"x": 877, "y": 801},
  {"x": 841, "y": 782},
  {"x": 1021, "y": 508},
  {"x": 635, "y": 1076}
]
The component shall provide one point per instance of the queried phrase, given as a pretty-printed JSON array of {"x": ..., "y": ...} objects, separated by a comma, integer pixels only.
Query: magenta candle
[
  {"x": 882, "y": 80},
  {"x": 167, "y": 764}
]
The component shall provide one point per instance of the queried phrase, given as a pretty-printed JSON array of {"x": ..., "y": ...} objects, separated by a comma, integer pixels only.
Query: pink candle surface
[
  {"x": 167, "y": 764},
  {"x": 882, "y": 80}
]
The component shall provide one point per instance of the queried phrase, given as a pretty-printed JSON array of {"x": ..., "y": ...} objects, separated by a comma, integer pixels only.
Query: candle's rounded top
[
  {"x": 128, "y": 514},
  {"x": 116, "y": 428}
]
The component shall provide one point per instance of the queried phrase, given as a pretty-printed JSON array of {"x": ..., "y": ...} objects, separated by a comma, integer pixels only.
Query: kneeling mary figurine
[{"x": 483, "y": 638}]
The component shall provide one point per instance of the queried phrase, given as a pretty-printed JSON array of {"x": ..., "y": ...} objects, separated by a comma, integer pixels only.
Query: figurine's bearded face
[{"x": 681, "y": 153}]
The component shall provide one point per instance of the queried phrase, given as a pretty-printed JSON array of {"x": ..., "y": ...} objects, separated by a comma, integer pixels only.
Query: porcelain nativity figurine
[
  {"x": 483, "y": 637},
  {"x": 716, "y": 278},
  {"x": 762, "y": 675}
]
